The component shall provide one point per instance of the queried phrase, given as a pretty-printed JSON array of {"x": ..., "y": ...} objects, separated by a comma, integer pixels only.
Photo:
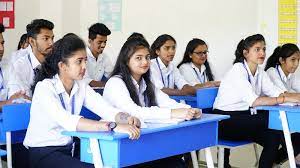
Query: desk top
[
  {"x": 206, "y": 118},
  {"x": 280, "y": 107},
  {"x": 186, "y": 98}
]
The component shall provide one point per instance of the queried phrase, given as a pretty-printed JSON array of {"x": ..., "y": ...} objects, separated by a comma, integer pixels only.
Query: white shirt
[
  {"x": 22, "y": 73},
  {"x": 48, "y": 117},
  {"x": 290, "y": 83},
  {"x": 192, "y": 74},
  {"x": 166, "y": 77},
  {"x": 3, "y": 82},
  {"x": 117, "y": 94},
  {"x": 96, "y": 69},
  {"x": 236, "y": 93}
]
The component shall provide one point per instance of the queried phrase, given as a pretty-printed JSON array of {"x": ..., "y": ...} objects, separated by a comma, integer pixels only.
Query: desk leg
[
  {"x": 209, "y": 160},
  {"x": 95, "y": 148},
  {"x": 287, "y": 137},
  {"x": 194, "y": 159}
]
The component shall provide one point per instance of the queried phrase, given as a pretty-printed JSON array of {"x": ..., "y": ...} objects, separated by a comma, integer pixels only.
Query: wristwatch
[{"x": 111, "y": 125}]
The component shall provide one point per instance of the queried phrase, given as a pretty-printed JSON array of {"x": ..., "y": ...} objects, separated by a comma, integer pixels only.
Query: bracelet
[
  {"x": 276, "y": 100},
  {"x": 283, "y": 100},
  {"x": 107, "y": 126}
]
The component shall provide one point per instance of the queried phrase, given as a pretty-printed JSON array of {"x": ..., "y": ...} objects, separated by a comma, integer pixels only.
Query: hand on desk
[
  {"x": 131, "y": 130},
  {"x": 186, "y": 113},
  {"x": 125, "y": 118},
  {"x": 18, "y": 95}
]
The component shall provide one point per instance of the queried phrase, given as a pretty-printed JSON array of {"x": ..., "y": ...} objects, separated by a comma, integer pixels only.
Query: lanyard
[
  {"x": 281, "y": 78},
  {"x": 63, "y": 103},
  {"x": 1, "y": 74},
  {"x": 161, "y": 75},
  {"x": 201, "y": 79},
  {"x": 28, "y": 56},
  {"x": 256, "y": 83}
]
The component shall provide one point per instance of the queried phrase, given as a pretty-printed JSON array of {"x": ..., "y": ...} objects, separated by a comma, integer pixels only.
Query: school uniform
[
  {"x": 166, "y": 77},
  {"x": 47, "y": 146},
  {"x": 117, "y": 94},
  {"x": 192, "y": 74},
  {"x": 292, "y": 85},
  {"x": 3, "y": 82},
  {"x": 23, "y": 72},
  {"x": 97, "y": 69},
  {"x": 291, "y": 82},
  {"x": 237, "y": 92}
]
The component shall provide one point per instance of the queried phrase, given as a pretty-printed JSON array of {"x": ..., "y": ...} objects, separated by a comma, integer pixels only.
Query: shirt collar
[
  {"x": 91, "y": 56},
  {"x": 163, "y": 66},
  {"x": 282, "y": 74},
  {"x": 141, "y": 87},
  {"x": 202, "y": 68},
  {"x": 248, "y": 69},
  {"x": 59, "y": 87},
  {"x": 34, "y": 61}
]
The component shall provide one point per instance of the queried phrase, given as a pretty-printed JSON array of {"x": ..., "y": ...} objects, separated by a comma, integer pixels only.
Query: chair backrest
[
  {"x": 15, "y": 117},
  {"x": 206, "y": 97}
]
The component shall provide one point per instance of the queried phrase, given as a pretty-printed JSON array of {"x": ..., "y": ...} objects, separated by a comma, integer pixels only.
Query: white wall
[{"x": 222, "y": 24}]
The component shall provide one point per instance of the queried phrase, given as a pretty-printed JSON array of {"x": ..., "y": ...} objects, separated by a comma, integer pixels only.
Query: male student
[
  {"x": 40, "y": 37},
  {"x": 99, "y": 65}
]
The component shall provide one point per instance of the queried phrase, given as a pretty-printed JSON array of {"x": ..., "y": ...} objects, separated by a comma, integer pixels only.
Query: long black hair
[
  {"x": 121, "y": 68},
  {"x": 189, "y": 50},
  {"x": 160, "y": 41},
  {"x": 246, "y": 45},
  {"x": 283, "y": 52},
  {"x": 22, "y": 40},
  {"x": 62, "y": 50}
]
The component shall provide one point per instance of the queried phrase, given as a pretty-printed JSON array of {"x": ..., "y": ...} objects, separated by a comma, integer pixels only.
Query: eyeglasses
[{"x": 201, "y": 54}]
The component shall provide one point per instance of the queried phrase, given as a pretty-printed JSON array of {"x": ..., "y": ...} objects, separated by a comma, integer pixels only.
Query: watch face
[{"x": 112, "y": 125}]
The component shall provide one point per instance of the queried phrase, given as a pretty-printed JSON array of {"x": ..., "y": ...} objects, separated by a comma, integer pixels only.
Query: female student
[
  {"x": 240, "y": 90},
  {"x": 281, "y": 67},
  {"x": 59, "y": 94},
  {"x": 165, "y": 75},
  {"x": 194, "y": 66},
  {"x": 131, "y": 90}
]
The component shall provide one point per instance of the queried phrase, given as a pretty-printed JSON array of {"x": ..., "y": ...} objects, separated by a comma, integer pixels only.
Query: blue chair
[
  {"x": 14, "y": 117},
  {"x": 190, "y": 100},
  {"x": 205, "y": 100}
]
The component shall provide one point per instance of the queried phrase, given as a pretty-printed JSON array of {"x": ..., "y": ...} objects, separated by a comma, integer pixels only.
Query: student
[
  {"x": 194, "y": 66},
  {"x": 40, "y": 34},
  {"x": 59, "y": 85},
  {"x": 240, "y": 90},
  {"x": 130, "y": 89},
  {"x": 281, "y": 67},
  {"x": 4, "y": 76},
  {"x": 18, "y": 151},
  {"x": 23, "y": 42},
  {"x": 165, "y": 75},
  {"x": 136, "y": 35},
  {"x": 99, "y": 66}
]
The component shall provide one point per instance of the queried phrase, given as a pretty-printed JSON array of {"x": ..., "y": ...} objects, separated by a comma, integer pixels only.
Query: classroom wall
[{"x": 220, "y": 23}]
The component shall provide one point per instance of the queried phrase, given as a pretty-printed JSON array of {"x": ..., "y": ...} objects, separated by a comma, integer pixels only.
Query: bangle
[
  {"x": 276, "y": 100},
  {"x": 283, "y": 100}
]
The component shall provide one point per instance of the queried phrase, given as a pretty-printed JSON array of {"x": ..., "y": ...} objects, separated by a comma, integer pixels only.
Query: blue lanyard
[
  {"x": 199, "y": 76},
  {"x": 249, "y": 75},
  {"x": 2, "y": 86},
  {"x": 63, "y": 103},
  {"x": 279, "y": 74},
  {"x": 28, "y": 56},
  {"x": 161, "y": 75}
]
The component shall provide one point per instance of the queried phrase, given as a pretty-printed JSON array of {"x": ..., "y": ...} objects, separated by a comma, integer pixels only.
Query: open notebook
[
  {"x": 165, "y": 121},
  {"x": 289, "y": 104}
]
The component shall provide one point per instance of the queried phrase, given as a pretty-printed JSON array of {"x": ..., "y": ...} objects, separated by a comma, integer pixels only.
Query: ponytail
[
  {"x": 239, "y": 55},
  {"x": 273, "y": 60}
]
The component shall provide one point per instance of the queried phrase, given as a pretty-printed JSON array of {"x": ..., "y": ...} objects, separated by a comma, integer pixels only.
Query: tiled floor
[{"x": 242, "y": 157}]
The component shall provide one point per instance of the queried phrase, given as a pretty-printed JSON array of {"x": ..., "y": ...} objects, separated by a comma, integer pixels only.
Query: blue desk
[
  {"x": 190, "y": 100},
  {"x": 286, "y": 118},
  {"x": 157, "y": 141}
]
